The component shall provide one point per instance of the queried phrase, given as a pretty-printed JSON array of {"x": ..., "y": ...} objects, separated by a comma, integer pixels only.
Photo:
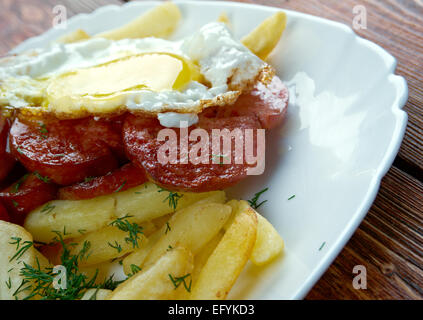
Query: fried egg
[{"x": 154, "y": 76}]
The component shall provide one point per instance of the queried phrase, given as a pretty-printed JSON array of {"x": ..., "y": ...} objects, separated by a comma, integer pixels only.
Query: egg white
[{"x": 227, "y": 67}]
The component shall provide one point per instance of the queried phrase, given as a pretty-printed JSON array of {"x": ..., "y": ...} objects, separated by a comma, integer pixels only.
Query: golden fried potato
[
  {"x": 148, "y": 202},
  {"x": 96, "y": 294},
  {"x": 106, "y": 244},
  {"x": 69, "y": 217},
  {"x": 158, "y": 22},
  {"x": 160, "y": 281},
  {"x": 228, "y": 259},
  {"x": 15, "y": 249},
  {"x": 269, "y": 243},
  {"x": 264, "y": 38},
  {"x": 191, "y": 228}
]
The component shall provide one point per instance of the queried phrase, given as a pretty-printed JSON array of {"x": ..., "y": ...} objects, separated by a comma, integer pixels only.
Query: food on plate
[
  {"x": 162, "y": 280},
  {"x": 158, "y": 22},
  {"x": 265, "y": 37},
  {"x": 6, "y": 160},
  {"x": 228, "y": 258},
  {"x": 124, "y": 178},
  {"x": 26, "y": 194},
  {"x": 88, "y": 118}
]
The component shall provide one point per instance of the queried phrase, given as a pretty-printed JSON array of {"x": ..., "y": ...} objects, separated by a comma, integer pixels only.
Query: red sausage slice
[
  {"x": 6, "y": 160},
  {"x": 267, "y": 102},
  {"x": 264, "y": 107},
  {"x": 4, "y": 216},
  {"x": 124, "y": 178},
  {"x": 142, "y": 146},
  {"x": 27, "y": 194},
  {"x": 66, "y": 151}
]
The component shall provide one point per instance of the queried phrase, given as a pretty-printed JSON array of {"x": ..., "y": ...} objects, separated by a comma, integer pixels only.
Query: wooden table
[{"x": 389, "y": 242}]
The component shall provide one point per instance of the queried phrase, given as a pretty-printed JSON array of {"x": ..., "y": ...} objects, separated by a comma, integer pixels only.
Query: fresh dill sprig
[
  {"x": 121, "y": 186},
  {"x": 18, "y": 184},
  {"x": 177, "y": 281},
  {"x": 39, "y": 282},
  {"x": 110, "y": 283},
  {"x": 173, "y": 198},
  {"x": 116, "y": 246},
  {"x": 21, "y": 247},
  {"x": 48, "y": 208},
  {"x": 168, "y": 228},
  {"x": 253, "y": 202},
  {"x": 42, "y": 178},
  {"x": 133, "y": 229},
  {"x": 134, "y": 270},
  {"x": 43, "y": 130},
  {"x": 88, "y": 179}
]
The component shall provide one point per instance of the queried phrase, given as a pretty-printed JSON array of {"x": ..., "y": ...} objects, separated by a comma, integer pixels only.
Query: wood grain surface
[{"x": 389, "y": 242}]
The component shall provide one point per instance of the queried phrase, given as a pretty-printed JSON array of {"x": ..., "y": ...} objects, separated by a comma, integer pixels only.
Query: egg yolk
[
  {"x": 103, "y": 88},
  {"x": 152, "y": 71}
]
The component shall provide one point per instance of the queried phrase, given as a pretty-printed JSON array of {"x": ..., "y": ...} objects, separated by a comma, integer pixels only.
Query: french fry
[
  {"x": 269, "y": 243},
  {"x": 74, "y": 36},
  {"x": 223, "y": 17},
  {"x": 101, "y": 271},
  {"x": 16, "y": 249},
  {"x": 96, "y": 294},
  {"x": 138, "y": 257},
  {"x": 264, "y": 38},
  {"x": 106, "y": 244},
  {"x": 191, "y": 228},
  {"x": 228, "y": 259},
  {"x": 69, "y": 217},
  {"x": 158, "y": 22},
  {"x": 148, "y": 202},
  {"x": 155, "y": 283}
]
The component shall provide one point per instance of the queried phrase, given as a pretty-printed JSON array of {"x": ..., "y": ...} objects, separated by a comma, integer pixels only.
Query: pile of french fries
[
  {"x": 205, "y": 237},
  {"x": 205, "y": 240}
]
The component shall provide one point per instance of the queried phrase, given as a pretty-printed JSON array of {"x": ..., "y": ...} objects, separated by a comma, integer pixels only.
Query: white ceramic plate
[{"x": 343, "y": 130}]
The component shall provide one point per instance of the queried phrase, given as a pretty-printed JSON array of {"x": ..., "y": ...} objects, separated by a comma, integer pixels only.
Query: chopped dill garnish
[
  {"x": 323, "y": 244},
  {"x": 88, "y": 179},
  {"x": 40, "y": 177},
  {"x": 177, "y": 281},
  {"x": 43, "y": 130},
  {"x": 168, "y": 228},
  {"x": 18, "y": 184},
  {"x": 134, "y": 269},
  {"x": 169, "y": 248},
  {"x": 40, "y": 282},
  {"x": 21, "y": 247},
  {"x": 15, "y": 204},
  {"x": 133, "y": 229},
  {"x": 9, "y": 283},
  {"x": 116, "y": 246},
  {"x": 253, "y": 202},
  {"x": 173, "y": 198},
  {"x": 48, "y": 208},
  {"x": 291, "y": 197},
  {"x": 121, "y": 186}
]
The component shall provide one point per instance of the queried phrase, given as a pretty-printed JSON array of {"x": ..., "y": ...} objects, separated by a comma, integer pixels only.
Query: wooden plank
[
  {"x": 389, "y": 243},
  {"x": 22, "y": 19}
]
